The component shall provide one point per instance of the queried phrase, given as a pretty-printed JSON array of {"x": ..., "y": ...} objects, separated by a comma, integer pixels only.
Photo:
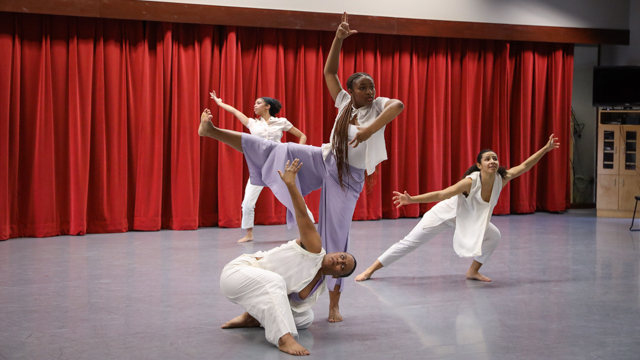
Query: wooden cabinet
[{"x": 618, "y": 162}]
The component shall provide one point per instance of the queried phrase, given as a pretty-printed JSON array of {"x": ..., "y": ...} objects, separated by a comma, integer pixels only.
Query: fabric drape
[{"x": 99, "y": 118}]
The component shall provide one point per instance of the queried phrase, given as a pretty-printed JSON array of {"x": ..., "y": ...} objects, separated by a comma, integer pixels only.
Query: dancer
[
  {"x": 466, "y": 207},
  {"x": 269, "y": 127},
  {"x": 338, "y": 168},
  {"x": 278, "y": 287}
]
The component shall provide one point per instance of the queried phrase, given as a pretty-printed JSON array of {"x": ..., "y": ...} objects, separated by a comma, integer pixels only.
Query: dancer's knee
[
  {"x": 304, "y": 320},
  {"x": 493, "y": 235}
]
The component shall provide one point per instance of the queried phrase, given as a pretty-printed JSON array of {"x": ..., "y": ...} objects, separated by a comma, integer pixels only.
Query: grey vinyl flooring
[{"x": 566, "y": 286}]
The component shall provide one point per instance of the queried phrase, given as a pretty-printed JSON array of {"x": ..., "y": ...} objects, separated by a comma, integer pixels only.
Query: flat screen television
[{"x": 616, "y": 86}]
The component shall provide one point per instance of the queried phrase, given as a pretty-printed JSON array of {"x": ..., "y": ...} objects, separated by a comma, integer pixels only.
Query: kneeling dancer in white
[
  {"x": 466, "y": 207},
  {"x": 278, "y": 287}
]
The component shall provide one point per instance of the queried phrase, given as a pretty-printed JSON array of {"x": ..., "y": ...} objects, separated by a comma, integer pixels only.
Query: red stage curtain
[{"x": 99, "y": 118}]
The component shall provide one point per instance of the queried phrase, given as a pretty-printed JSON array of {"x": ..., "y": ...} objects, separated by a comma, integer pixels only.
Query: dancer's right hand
[
  {"x": 215, "y": 98},
  {"x": 290, "y": 171},
  {"x": 343, "y": 31},
  {"x": 401, "y": 199}
]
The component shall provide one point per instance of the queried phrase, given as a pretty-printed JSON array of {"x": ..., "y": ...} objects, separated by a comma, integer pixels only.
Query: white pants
[
  {"x": 263, "y": 294},
  {"x": 251, "y": 194},
  {"x": 420, "y": 235}
]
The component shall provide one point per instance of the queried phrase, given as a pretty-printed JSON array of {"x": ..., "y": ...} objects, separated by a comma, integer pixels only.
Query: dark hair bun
[{"x": 274, "y": 105}]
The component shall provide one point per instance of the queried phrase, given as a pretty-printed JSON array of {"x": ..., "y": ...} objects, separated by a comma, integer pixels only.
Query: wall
[
  {"x": 584, "y": 155},
  {"x": 567, "y": 13},
  {"x": 625, "y": 54},
  {"x": 614, "y": 55}
]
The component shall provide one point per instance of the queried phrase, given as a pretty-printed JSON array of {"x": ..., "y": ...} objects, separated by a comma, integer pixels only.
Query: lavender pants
[{"x": 264, "y": 159}]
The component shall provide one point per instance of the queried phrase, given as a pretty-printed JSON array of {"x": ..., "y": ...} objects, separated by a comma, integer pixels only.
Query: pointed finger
[{"x": 345, "y": 17}]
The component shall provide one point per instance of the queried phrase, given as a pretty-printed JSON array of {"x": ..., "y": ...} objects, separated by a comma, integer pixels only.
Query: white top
[
  {"x": 473, "y": 215},
  {"x": 271, "y": 129},
  {"x": 371, "y": 152},
  {"x": 297, "y": 266}
]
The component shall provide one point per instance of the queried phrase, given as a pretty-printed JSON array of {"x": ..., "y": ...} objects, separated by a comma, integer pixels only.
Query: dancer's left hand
[
  {"x": 362, "y": 135},
  {"x": 290, "y": 171},
  {"x": 215, "y": 98},
  {"x": 344, "y": 31},
  {"x": 552, "y": 144},
  {"x": 401, "y": 199}
]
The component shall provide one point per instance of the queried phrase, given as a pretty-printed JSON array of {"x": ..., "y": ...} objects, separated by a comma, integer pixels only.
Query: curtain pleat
[{"x": 99, "y": 118}]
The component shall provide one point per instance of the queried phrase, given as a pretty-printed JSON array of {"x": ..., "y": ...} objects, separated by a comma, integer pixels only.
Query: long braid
[{"x": 340, "y": 142}]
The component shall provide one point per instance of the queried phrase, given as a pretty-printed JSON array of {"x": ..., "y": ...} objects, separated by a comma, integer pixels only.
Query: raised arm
[
  {"x": 516, "y": 171},
  {"x": 333, "y": 59},
  {"x": 297, "y": 133},
  {"x": 392, "y": 109},
  {"x": 461, "y": 186},
  {"x": 243, "y": 119},
  {"x": 309, "y": 236}
]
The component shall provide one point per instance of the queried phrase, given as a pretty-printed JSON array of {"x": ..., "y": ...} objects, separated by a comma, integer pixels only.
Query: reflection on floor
[{"x": 566, "y": 286}]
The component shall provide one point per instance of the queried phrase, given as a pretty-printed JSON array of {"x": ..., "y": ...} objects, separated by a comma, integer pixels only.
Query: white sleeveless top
[
  {"x": 473, "y": 215},
  {"x": 297, "y": 266}
]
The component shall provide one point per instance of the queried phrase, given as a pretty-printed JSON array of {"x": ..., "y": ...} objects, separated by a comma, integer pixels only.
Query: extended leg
[
  {"x": 265, "y": 157},
  {"x": 229, "y": 137},
  {"x": 421, "y": 234}
]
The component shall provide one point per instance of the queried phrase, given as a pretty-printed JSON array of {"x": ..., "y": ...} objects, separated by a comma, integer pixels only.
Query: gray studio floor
[{"x": 566, "y": 286}]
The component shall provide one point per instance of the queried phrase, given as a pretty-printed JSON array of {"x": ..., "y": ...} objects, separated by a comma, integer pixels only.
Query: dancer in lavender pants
[{"x": 338, "y": 168}]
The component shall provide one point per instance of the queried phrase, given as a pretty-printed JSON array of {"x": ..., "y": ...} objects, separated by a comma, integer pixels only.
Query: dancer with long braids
[
  {"x": 338, "y": 168},
  {"x": 466, "y": 207}
]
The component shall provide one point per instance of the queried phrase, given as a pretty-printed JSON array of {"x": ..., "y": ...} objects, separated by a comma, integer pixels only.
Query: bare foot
[
  {"x": 334, "y": 315},
  {"x": 477, "y": 276},
  {"x": 246, "y": 238},
  {"x": 205, "y": 123},
  {"x": 289, "y": 345},
  {"x": 365, "y": 275},
  {"x": 242, "y": 321}
]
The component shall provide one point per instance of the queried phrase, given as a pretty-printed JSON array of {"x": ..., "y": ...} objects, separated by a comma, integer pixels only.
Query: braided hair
[{"x": 340, "y": 139}]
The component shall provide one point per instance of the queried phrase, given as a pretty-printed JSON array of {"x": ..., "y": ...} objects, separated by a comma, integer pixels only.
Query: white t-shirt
[
  {"x": 371, "y": 152},
  {"x": 271, "y": 129},
  {"x": 297, "y": 266}
]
